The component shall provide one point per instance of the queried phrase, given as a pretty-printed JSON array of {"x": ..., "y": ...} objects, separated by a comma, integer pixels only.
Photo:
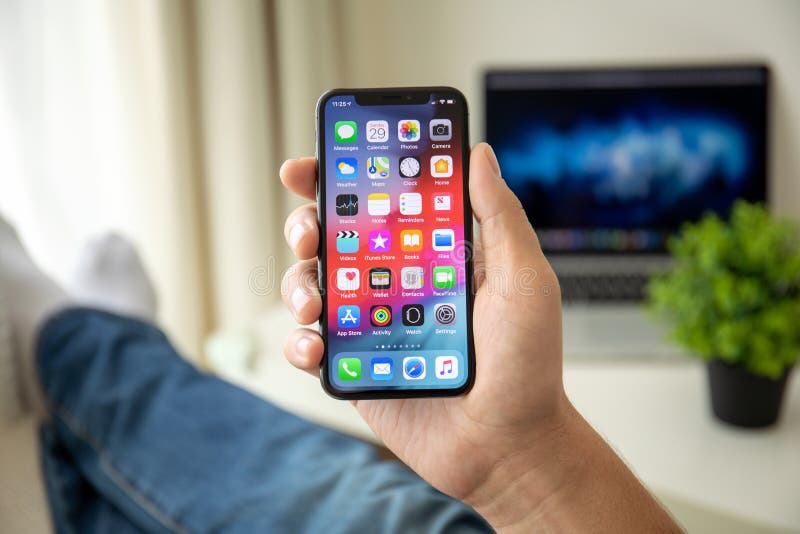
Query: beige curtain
[{"x": 166, "y": 121}]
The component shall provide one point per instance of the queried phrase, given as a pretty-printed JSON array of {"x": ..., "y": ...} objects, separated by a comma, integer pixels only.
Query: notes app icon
[{"x": 378, "y": 204}]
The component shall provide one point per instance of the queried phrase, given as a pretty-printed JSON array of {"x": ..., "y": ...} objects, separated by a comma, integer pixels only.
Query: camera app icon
[{"x": 441, "y": 130}]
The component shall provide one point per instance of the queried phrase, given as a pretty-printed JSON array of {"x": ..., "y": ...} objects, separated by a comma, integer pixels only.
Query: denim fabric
[{"x": 140, "y": 440}]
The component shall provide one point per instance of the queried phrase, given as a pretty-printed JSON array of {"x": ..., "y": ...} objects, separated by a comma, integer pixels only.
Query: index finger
[{"x": 300, "y": 176}]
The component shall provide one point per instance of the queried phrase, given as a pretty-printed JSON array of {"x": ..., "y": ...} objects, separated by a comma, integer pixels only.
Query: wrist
[{"x": 515, "y": 492}]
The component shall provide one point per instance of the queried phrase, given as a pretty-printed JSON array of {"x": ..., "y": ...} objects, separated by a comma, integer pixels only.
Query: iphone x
[{"x": 395, "y": 258}]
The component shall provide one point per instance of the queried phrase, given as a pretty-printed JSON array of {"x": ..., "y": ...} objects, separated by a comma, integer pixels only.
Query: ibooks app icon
[{"x": 411, "y": 240}]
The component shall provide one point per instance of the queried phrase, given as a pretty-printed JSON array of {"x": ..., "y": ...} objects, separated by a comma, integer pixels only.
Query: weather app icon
[
  {"x": 346, "y": 168},
  {"x": 349, "y": 317}
]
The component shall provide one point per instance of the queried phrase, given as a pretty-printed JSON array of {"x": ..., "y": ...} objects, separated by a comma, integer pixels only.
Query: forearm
[{"x": 569, "y": 480}]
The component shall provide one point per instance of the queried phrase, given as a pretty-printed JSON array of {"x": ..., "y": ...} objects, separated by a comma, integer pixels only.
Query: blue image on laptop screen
[{"x": 616, "y": 160}]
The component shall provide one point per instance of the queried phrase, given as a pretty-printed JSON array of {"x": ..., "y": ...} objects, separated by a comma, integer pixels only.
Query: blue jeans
[{"x": 140, "y": 440}]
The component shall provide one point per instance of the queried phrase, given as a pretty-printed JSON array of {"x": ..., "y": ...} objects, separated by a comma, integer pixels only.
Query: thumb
[{"x": 507, "y": 237}]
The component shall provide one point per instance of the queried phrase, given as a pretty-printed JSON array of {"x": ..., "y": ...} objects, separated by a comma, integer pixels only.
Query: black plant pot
[{"x": 741, "y": 398}]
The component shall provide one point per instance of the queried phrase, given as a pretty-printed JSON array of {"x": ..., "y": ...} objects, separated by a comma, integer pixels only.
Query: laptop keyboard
[{"x": 603, "y": 287}]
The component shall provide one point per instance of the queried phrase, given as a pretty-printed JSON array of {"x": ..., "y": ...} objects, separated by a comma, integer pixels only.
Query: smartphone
[{"x": 395, "y": 258}]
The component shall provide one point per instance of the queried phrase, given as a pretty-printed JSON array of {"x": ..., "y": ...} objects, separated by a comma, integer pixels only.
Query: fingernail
[
  {"x": 295, "y": 234},
  {"x": 302, "y": 344},
  {"x": 299, "y": 299},
  {"x": 492, "y": 160}
]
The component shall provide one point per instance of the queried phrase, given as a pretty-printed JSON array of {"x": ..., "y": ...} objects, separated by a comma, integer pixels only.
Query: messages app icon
[{"x": 345, "y": 131}]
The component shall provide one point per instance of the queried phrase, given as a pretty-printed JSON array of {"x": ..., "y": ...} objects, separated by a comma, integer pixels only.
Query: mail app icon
[{"x": 381, "y": 368}]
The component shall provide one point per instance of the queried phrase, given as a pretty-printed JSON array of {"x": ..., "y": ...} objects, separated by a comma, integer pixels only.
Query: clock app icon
[{"x": 410, "y": 167}]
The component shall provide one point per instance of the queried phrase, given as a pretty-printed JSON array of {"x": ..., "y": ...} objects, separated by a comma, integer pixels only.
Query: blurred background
[{"x": 168, "y": 120}]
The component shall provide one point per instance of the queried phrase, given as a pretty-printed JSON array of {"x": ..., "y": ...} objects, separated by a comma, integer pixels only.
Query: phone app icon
[
  {"x": 347, "y": 241},
  {"x": 410, "y": 203},
  {"x": 345, "y": 131},
  {"x": 381, "y": 368},
  {"x": 380, "y": 278},
  {"x": 441, "y": 166},
  {"x": 380, "y": 241},
  {"x": 377, "y": 131},
  {"x": 349, "y": 316},
  {"x": 412, "y": 277},
  {"x": 411, "y": 240},
  {"x": 378, "y": 204},
  {"x": 408, "y": 130},
  {"x": 346, "y": 168},
  {"x": 441, "y": 130},
  {"x": 380, "y": 315},
  {"x": 410, "y": 167},
  {"x": 413, "y": 314},
  {"x": 444, "y": 277},
  {"x": 349, "y": 369},
  {"x": 444, "y": 239},
  {"x": 346, "y": 205},
  {"x": 414, "y": 368},
  {"x": 348, "y": 279},
  {"x": 378, "y": 167},
  {"x": 442, "y": 202},
  {"x": 446, "y": 367},
  {"x": 444, "y": 314}
]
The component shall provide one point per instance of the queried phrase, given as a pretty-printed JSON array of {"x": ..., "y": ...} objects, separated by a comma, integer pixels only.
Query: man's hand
[{"x": 501, "y": 447}]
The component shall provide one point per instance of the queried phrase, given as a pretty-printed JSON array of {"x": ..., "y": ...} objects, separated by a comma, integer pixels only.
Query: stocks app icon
[{"x": 346, "y": 205}]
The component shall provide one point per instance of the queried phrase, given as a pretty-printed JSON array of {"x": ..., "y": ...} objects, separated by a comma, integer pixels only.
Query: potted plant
[{"x": 732, "y": 297}]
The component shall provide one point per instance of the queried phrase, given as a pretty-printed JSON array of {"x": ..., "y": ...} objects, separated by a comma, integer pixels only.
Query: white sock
[
  {"x": 28, "y": 298},
  {"x": 110, "y": 276}
]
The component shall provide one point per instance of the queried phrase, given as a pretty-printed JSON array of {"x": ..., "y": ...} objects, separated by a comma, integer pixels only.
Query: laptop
[{"x": 609, "y": 163}]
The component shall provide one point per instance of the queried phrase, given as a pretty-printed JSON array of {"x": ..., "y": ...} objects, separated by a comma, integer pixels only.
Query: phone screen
[{"x": 396, "y": 248}]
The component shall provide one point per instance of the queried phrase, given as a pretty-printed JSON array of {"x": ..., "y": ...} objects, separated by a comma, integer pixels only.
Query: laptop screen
[{"x": 615, "y": 160}]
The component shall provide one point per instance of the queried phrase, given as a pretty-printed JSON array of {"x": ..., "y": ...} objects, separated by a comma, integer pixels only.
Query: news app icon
[{"x": 442, "y": 202}]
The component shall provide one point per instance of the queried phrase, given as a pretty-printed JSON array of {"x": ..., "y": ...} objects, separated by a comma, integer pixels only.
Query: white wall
[{"x": 418, "y": 42}]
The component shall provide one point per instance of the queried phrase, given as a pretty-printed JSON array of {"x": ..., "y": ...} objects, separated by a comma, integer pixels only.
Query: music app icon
[{"x": 446, "y": 367}]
